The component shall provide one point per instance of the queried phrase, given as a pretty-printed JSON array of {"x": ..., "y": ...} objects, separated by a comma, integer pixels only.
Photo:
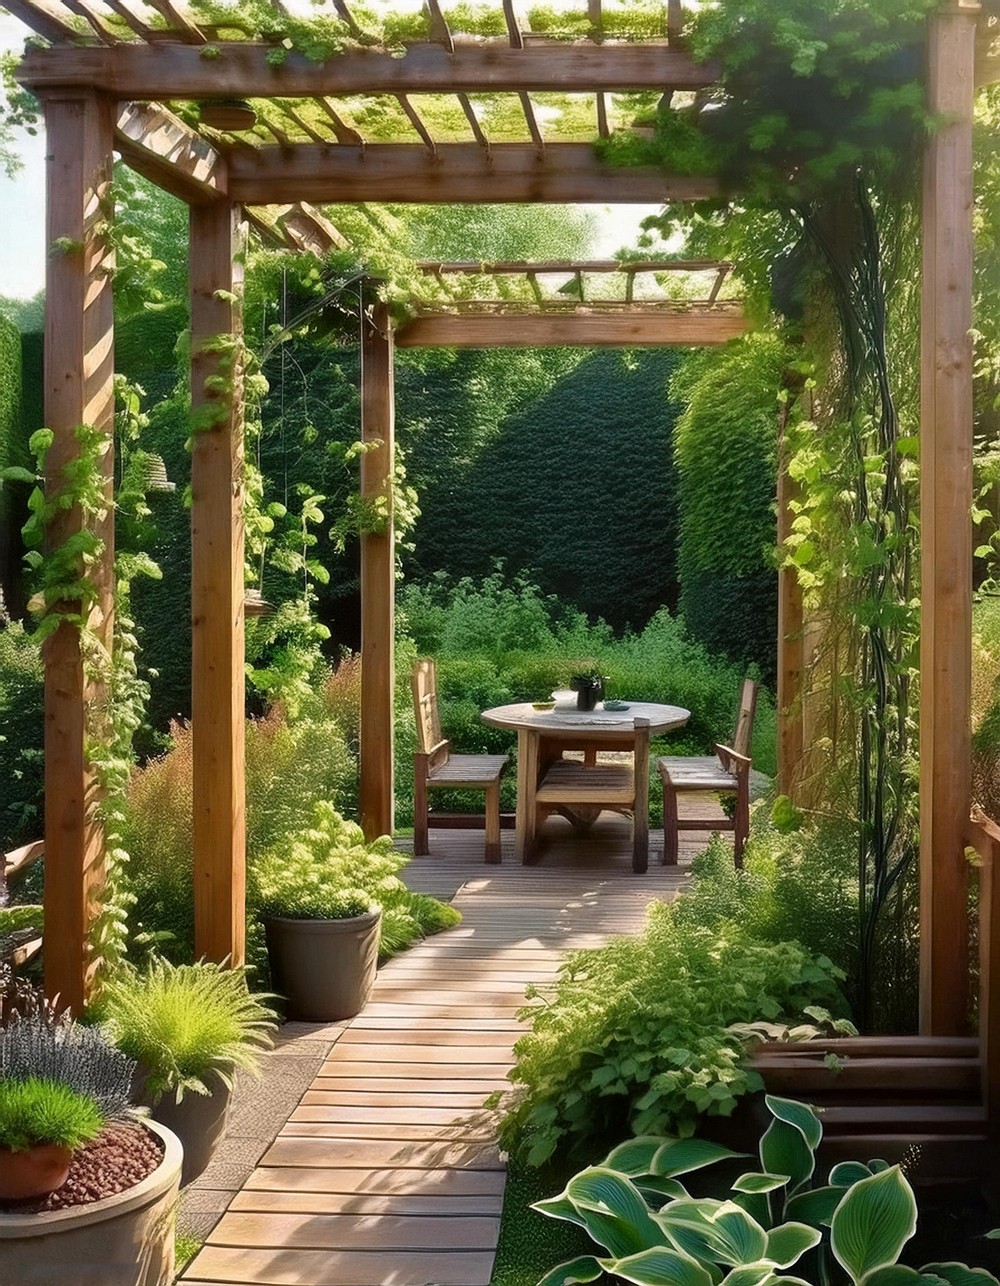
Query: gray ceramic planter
[
  {"x": 125, "y": 1240},
  {"x": 198, "y": 1120},
  {"x": 325, "y": 969}
]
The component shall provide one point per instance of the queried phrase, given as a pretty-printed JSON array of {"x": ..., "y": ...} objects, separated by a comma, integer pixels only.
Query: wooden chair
[
  {"x": 727, "y": 772},
  {"x": 569, "y": 784},
  {"x": 434, "y": 766}
]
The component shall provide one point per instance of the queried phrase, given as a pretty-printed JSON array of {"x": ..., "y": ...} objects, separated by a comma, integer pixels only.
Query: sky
[{"x": 22, "y": 207}]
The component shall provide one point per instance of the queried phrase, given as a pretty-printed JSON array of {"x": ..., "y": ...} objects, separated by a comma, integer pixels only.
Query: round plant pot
[
  {"x": 33, "y": 1172},
  {"x": 324, "y": 968},
  {"x": 200, "y": 1121},
  {"x": 125, "y": 1240}
]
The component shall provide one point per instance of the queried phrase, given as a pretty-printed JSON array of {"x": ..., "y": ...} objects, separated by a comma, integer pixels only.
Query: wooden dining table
[{"x": 544, "y": 735}]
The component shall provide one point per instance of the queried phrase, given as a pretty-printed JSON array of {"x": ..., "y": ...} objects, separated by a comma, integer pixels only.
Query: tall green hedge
[
  {"x": 11, "y": 451},
  {"x": 575, "y": 488},
  {"x": 725, "y": 453}
]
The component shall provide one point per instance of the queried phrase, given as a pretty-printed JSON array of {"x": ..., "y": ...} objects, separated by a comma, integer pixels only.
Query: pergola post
[
  {"x": 217, "y": 583},
  {"x": 790, "y": 659},
  {"x": 378, "y": 574},
  {"x": 78, "y": 377},
  {"x": 946, "y": 539}
]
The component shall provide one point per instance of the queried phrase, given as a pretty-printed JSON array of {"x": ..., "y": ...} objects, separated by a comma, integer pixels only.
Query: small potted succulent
[
  {"x": 589, "y": 689},
  {"x": 189, "y": 1028},
  {"x": 322, "y": 926},
  {"x": 83, "y": 1187}
]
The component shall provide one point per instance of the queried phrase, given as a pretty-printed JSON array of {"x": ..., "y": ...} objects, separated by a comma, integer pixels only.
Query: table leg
[{"x": 527, "y": 785}]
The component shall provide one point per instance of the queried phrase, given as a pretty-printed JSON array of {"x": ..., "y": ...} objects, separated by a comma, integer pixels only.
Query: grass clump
[
  {"x": 39, "y": 1110},
  {"x": 186, "y": 1025}
]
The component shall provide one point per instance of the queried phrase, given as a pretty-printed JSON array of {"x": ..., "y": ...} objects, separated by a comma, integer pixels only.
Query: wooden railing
[{"x": 984, "y": 838}]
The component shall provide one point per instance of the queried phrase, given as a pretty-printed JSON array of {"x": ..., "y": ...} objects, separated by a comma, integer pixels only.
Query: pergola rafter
[{"x": 113, "y": 79}]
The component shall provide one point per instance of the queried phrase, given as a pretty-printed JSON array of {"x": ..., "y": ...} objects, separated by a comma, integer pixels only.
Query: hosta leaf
[
  {"x": 848, "y": 1172},
  {"x": 655, "y": 1189},
  {"x": 815, "y": 1207},
  {"x": 659, "y": 1266},
  {"x": 799, "y": 1115},
  {"x": 559, "y": 1208},
  {"x": 787, "y": 1242},
  {"x": 784, "y": 1150},
  {"x": 635, "y": 1156},
  {"x": 750, "y": 1274},
  {"x": 740, "y": 1238},
  {"x": 584, "y": 1269},
  {"x": 900, "y": 1275},
  {"x": 757, "y": 1182},
  {"x": 873, "y": 1223},
  {"x": 679, "y": 1156},
  {"x": 613, "y": 1211},
  {"x": 960, "y": 1274},
  {"x": 688, "y": 1227}
]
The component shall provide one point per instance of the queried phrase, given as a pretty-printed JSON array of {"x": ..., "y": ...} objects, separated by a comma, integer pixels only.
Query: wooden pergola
[{"x": 127, "y": 76}]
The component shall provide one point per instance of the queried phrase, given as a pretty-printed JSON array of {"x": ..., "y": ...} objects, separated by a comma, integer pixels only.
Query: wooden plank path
[{"x": 387, "y": 1172}]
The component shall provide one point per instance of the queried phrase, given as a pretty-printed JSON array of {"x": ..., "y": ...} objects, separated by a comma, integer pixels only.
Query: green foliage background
[{"x": 725, "y": 452}]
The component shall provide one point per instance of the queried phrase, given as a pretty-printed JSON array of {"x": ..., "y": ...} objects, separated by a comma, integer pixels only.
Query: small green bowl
[{"x": 543, "y": 705}]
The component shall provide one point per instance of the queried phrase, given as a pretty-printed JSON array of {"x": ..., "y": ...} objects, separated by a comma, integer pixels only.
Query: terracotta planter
[
  {"x": 200, "y": 1121},
  {"x": 324, "y": 968},
  {"x": 125, "y": 1240},
  {"x": 34, "y": 1172}
]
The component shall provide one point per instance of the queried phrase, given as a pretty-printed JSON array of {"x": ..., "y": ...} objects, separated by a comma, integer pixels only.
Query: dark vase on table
[{"x": 589, "y": 689}]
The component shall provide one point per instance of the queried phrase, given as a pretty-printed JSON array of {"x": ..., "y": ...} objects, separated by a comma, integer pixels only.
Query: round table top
[{"x": 567, "y": 719}]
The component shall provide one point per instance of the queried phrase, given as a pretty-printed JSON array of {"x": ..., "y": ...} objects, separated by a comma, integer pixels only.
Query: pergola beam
[
  {"x": 159, "y": 146},
  {"x": 242, "y": 70},
  {"x": 465, "y": 173},
  {"x": 597, "y": 329}
]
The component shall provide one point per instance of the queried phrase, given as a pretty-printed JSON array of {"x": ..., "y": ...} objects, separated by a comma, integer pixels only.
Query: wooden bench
[
  {"x": 569, "y": 786},
  {"x": 435, "y": 767},
  {"x": 725, "y": 772}
]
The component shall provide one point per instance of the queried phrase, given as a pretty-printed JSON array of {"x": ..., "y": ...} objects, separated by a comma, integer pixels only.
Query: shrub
[
  {"x": 327, "y": 870},
  {"x": 21, "y": 735},
  {"x": 39, "y": 1045},
  {"x": 289, "y": 767},
  {"x": 635, "y": 1036}
]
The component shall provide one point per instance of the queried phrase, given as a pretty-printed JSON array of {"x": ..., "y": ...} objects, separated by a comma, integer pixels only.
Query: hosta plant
[{"x": 774, "y": 1228}]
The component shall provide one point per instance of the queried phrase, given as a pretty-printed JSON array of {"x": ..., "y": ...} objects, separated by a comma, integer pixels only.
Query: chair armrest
[{"x": 732, "y": 761}]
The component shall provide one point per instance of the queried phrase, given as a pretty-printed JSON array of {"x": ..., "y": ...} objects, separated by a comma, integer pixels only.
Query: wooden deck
[{"x": 386, "y": 1173}]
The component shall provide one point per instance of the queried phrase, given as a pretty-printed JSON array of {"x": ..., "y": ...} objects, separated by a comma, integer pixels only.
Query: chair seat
[
  {"x": 570, "y": 782},
  {"x": 697, "y": 772},
  {"x": 468, "y": 770}
]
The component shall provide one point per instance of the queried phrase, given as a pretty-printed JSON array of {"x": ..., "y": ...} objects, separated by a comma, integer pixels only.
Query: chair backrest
[
  {"x": 425, "y": 706},
  {"x": 744, "y": 720}
]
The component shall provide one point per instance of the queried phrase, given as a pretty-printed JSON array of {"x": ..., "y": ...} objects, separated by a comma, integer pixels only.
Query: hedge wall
[
  {"x": 725, "y": 452},
  {"x": 11, "y": 453},
  {"x": 576, "y": 488}
]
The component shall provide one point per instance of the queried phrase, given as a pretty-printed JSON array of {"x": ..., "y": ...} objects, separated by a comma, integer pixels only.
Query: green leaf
[
  {"x": 717, "y": 1230},
  {"x": 756, "y": 1182},
  {"x": 960, "y": 1274},
  {"x": 750, "y": 1274},
  {"x": 873, "y": 1223},
  {"x": 785, "y": 1150},
  {"x": 787, "y": 1242},
  {"x": 635, "y": 1156},
  {"x": 613, "y": 1211},
  {"x": 900, "y": 1275},
  {"x": 800, "y": 1115},
  {"x": 584, "y": 1269},
  {"x": 559, "y": 1208},
  {"x": 653, "y": 1188},
  {"x": 681, "y": 1156},
  {"x": 815, "y": 1207},
  {"x": 659, "y": 1266},
  {"x": 848, "y": 1172},
  {"x": 14, "y": 473}
]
